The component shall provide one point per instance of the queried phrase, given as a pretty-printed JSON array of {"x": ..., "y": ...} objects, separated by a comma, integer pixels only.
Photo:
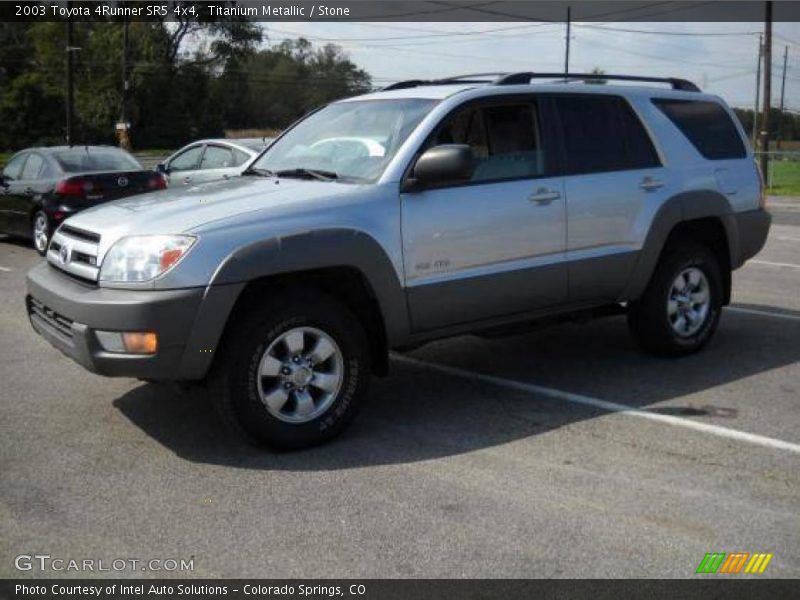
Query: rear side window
[
  {"x": 601, "y": 134},
  {"x": 706, "y": 125},
  {"x": 32, "y": 168}
]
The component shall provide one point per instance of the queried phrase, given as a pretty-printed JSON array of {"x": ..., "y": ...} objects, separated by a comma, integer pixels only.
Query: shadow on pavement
[{"x": 418, "y": 414}]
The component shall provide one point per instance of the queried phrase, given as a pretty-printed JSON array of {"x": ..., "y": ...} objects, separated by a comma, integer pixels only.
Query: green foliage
[{"x": 176, "y": 94}]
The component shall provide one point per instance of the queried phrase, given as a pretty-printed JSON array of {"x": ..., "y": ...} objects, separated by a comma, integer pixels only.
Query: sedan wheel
[{"x": 41, "y": 232}]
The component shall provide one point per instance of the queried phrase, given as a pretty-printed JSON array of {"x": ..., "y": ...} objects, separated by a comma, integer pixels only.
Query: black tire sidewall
[
  {"x": 650, "y": 319},
  {"x": 249, "y": 346}
]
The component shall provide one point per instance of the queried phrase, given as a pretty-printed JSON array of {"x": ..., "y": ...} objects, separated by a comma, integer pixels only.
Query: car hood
[{"x": 183, "y": 209}]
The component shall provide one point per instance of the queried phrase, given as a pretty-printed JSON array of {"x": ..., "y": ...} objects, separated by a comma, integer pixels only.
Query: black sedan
[{"x": 40, "y": 187}]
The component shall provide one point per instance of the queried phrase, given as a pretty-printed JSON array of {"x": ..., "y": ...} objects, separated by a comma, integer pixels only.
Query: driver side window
[
  {"x": 505, "y": 140},
  {"x": 187, "y": 160}
]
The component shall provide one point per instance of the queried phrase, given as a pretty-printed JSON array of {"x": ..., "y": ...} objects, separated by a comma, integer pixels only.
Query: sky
[{"x": 720, "y": 57}]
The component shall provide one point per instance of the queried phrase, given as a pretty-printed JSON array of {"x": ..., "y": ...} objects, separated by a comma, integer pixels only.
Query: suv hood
[{"x": 182, "y": 209}]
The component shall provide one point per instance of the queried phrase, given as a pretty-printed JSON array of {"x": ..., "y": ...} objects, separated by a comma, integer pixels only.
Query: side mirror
[
  {"x": 162, "y": 168},
  {"x": 448, "y": 163}
]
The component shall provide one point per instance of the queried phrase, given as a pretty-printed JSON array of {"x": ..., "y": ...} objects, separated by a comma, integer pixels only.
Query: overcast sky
[{"x": 720, "y": 57}]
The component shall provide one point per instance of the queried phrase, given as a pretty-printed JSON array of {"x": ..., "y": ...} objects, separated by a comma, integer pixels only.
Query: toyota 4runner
[{"x": 425, "y": 210}]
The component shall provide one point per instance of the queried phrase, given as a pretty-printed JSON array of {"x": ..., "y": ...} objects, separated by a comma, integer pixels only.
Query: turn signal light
[
  {"x": 128, "y": 342},
  {"x": 140, "y": 343}
]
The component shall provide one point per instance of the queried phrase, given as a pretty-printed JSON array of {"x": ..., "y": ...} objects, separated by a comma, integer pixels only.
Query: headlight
[{"x": 144, "y": 257}]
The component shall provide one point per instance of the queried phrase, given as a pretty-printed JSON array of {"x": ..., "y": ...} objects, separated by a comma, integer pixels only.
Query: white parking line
[
  {"x": 5, "y": 269},
  {"x": 555, "y": 394},
  {"x": 775, "y": 264},
  {"x": 763, "y": 313},
  {"x": 787, "y": 238}
]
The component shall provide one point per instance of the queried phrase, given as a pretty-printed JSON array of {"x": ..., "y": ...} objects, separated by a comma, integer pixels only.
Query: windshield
[
  {"x": 83, "y": 160},
  {"x": 347, "y": 140}
]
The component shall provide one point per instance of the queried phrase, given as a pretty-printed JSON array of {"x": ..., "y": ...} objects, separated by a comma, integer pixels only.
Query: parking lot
[{"x": 558, "y": 453}]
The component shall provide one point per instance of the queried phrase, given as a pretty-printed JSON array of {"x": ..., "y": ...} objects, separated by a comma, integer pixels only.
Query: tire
[
  {"x": 251, "y": 402},
  {"x": 669, "y": 322},
  {"x": 40, "y": 232}
]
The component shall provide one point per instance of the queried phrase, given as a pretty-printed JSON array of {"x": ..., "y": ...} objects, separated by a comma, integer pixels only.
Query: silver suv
[{"x": 425, "y": 210}]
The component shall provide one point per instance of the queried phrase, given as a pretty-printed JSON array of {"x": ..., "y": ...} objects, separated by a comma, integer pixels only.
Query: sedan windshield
[{"x": 345, "y": 141}]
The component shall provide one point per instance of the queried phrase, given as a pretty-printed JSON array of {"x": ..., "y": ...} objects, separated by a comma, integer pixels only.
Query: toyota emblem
[
  {"x": 64, "y": 254},
  {"x": 122, "y": 181}
]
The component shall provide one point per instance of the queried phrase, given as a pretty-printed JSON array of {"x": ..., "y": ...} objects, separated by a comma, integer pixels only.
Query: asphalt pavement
[{"x": 559, "y": 453}]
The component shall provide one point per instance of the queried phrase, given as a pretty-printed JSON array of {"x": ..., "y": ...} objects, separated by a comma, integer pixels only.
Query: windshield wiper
[
  {"x": 303, "y": 172},
  {"x": 259, "y": 171}
]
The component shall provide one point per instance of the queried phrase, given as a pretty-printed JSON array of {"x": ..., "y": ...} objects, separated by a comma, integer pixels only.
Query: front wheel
[
  {"x": 293, "y": 371},
  {"x": 40, "y": 231},
  {"x": 680, "y": 310}
]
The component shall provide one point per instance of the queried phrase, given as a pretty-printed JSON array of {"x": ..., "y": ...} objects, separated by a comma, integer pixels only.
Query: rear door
[
  {"x": 29, "y": 189},
  {"x": 614, "y": 183},
  {"x": 492, "y": 246},
  {"x": 219, "y": 162},
  {"x": 10, "y": 191}
]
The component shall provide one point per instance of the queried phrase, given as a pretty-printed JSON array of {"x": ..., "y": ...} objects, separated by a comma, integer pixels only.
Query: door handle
[
  {"x": 28, "y": 190},
  {"x": 187, "y": 179},
  {"x": 543, "y": 196},
  {"x": 648, "y": 184}
]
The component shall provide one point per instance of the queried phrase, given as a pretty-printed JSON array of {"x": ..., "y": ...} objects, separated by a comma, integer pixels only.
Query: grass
[{"x": 784, "y": 178}]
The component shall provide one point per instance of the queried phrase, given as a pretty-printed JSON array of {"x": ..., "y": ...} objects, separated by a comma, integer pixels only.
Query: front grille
[
  {"x": 81, "y": 234},
  {"x": 74, "y": 251},
  {"x": 60, "y": 323}
]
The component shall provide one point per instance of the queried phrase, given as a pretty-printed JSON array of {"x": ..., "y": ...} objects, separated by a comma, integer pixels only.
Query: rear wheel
[
  {"x": 680, "y": 310},
  {"x": 40, "y": 231},
  {"x": 292, "y": 371}
]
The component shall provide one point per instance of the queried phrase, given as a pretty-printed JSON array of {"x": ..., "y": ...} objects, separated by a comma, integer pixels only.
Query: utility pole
[
  {"x": 783, "y": 89},
  {"x": 70, "y": 81},
  {"x": 767, "y": 91},
  {"x": 758, "y": 91},
  {"x": 123, "y": 129},
  {"x": 566, "y": 57}
]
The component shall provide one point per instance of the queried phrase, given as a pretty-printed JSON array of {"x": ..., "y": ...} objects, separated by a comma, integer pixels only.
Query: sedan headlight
[{"x": 144, "y": 257}]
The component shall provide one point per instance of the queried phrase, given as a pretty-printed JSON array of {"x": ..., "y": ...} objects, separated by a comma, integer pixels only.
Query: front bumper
[{"x": 67, "y": 312}]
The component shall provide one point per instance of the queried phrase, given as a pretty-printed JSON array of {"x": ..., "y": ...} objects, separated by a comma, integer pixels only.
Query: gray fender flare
[
  {"x": 290, "y": 254},
  {"x": 683, "y": 207},
  {"x": 319, "y": 249}
]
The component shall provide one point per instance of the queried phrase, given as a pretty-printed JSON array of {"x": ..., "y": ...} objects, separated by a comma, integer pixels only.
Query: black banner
[
  {"x": 393, "y": 10},
  {"x": 371, "y": 589}
]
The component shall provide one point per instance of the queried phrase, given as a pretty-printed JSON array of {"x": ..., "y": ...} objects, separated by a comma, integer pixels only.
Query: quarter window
[{"x": 706, "y": 125}]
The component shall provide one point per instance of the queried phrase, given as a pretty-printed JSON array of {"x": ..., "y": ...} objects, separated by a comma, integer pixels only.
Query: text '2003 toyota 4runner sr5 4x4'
[{"x": 424, "y": 210}]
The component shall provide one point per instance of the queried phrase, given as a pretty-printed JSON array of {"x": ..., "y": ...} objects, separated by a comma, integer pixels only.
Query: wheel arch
[
  {"x": 703, "y": 216},
  {"x": 350, "y": 265}
]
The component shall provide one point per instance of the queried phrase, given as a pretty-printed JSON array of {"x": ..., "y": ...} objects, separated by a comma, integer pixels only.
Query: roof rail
[
  {"x": 469, "y": 78},
  {"x": 526, "y": 76}
]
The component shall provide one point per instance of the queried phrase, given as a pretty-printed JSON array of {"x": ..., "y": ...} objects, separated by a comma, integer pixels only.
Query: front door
[{"x": 492, "y": 246}]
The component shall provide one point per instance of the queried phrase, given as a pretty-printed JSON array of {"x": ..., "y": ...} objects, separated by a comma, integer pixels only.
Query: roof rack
[
  {"x": 525, "y": 77},
  {"x": 469, "y": 78}
]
